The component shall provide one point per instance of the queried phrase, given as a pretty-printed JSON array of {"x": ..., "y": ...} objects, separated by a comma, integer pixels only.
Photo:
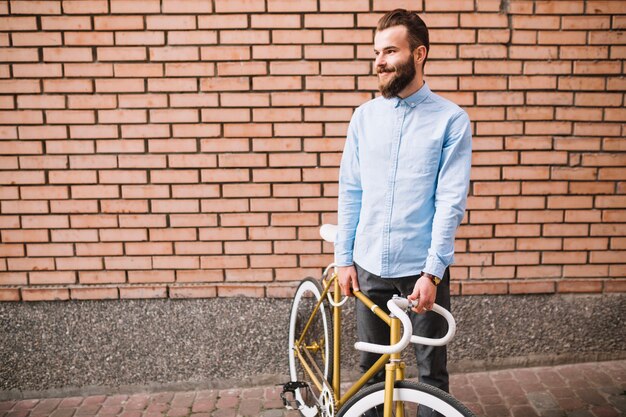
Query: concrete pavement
[{"x": 595, "y": 389}]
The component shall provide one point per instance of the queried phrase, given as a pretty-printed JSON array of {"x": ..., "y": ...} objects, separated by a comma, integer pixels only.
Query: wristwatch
[{"x": 435, "y": 280}]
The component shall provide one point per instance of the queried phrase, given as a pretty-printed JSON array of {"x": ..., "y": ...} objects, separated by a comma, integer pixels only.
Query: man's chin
[{"x": 383, "y": 87}]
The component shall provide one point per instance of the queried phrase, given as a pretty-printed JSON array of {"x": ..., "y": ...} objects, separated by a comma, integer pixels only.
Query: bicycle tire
[
  {"x": 411, "y": 393},
  {"x": 306, "y": 297}
]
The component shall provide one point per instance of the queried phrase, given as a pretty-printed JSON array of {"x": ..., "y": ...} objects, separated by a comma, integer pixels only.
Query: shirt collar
[{"x": 415, "y": 98}]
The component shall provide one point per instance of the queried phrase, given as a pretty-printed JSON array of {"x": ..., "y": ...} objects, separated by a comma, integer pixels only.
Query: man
[{"x": 403, "y": 186}]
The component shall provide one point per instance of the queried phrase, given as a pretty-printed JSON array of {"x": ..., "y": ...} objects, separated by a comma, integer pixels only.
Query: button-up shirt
[{"x": 403, "y": 185}]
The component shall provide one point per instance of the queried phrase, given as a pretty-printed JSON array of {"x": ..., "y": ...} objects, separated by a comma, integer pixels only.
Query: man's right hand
[{"x": 348, "y": 279}]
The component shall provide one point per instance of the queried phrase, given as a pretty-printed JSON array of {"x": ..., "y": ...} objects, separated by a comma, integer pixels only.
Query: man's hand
[
  {"x": 347, "y": 279},
  {"x": 425, "y": 291}
]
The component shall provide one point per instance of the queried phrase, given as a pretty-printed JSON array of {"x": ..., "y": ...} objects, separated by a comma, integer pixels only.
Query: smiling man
[{"x": 403, "y": 188}]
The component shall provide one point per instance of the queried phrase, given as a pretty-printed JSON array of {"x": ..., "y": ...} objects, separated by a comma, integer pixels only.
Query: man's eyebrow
[{"x": 386, "y": 48}]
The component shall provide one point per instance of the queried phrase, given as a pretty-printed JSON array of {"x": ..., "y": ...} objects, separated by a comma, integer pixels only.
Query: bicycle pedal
[{"x": 290, "y": 388}]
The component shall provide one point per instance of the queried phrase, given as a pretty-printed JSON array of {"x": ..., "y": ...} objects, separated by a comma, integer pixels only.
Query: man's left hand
[{"x": 425, "y": 291}]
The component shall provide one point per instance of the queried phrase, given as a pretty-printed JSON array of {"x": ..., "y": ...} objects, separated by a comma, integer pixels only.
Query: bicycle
[{"x": 314, "y": 356}]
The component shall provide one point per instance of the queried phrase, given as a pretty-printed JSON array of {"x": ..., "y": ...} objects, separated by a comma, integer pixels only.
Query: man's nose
[{"x": 380, "y": 61}]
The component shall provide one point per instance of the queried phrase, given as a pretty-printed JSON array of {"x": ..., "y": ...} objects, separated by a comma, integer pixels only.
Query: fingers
[
  {"x": 355, "y": 283},
  {"x": 348, "y": 280},
  {"x": 424, "y": 294}
]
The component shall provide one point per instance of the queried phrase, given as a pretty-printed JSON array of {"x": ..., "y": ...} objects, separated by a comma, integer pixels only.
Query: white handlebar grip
[
  {"x": 444, "y": 340},
  {"x": 396, "y": 306}
]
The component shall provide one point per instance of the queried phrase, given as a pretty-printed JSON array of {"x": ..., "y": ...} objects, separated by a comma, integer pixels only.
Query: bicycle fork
[{"x": 394, "y": 371}]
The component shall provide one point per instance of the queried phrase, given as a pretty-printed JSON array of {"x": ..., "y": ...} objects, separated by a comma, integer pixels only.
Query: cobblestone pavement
[{"x": 580, "y": 390}]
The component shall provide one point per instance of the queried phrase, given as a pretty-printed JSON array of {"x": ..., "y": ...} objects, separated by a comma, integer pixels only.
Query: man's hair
[{"x": 415, "y": 26}]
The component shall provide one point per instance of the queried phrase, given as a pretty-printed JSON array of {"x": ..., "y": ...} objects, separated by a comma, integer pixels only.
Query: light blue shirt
[{"x": 403, "y": 185}]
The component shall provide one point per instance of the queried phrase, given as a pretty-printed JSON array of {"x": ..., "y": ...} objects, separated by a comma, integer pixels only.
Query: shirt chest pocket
[{"x": 419, "y": 157}]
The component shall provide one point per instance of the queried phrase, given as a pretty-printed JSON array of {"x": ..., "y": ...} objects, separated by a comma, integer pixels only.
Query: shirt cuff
[
  {"x": 343, "y": 259},
  {"x": 434, "y": 267}
]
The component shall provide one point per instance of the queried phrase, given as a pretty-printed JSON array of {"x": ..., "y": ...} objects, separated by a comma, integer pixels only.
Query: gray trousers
[{"x": 431, "y": 360}]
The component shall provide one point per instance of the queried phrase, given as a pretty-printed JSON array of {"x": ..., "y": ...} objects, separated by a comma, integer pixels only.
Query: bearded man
[{"x": 403, "y": 186}]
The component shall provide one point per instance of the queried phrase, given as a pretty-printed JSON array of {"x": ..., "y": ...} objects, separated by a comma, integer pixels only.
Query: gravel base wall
[{"x": 85, "y": 347}]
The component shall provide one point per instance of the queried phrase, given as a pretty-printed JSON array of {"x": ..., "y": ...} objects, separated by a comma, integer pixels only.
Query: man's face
[{"x": 395, "y": 62}]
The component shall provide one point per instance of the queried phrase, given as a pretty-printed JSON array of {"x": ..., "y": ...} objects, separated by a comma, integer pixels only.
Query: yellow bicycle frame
[{"x": 393, "y": 364}]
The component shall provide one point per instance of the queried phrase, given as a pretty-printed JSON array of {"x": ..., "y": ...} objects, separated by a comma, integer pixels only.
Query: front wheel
[
  {"x": 369, "y": 402},
  {"x": 314, "y": 344}
]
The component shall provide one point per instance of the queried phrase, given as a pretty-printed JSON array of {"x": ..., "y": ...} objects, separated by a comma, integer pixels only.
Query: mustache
[{"x": 381, "y": 69}]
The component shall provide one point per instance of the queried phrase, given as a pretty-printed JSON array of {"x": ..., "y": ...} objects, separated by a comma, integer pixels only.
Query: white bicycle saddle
[{"x": 329, "y": 232}]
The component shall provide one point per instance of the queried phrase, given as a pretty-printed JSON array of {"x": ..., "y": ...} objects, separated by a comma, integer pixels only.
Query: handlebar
[{"x": 398, "y": 306}]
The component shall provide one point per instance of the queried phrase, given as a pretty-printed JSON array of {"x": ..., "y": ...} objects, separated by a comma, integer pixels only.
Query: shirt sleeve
[
  {"x": 451, "y": 193},
  {"x": 349, "y": 201}
]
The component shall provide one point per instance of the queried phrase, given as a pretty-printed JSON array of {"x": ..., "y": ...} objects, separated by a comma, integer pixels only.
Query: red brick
[
  {"x": 171, "y": 22},
  {"x": 615, "y": 286},
  {"x": 296, "y": 190},
  {"x": 516, "y": 258},
  {"x": 614, "y": 257},
  {"x": 505, "y": 230},
  {"x": 569, "y": 202},
  {"x": 175, "y": 206},
  {"x": 496, "y": 188},
  {"x": 492, "y": 272},
  {"x": 272, "y": 233},
  {"x": 272, "y": 21},
  {"x": 142, "y": 100},
  {"x": 244, "y": 99},
  {"x": 24, "y": 177},
  {"x": 328, "y": 20},
  {"x": 31, "y": 71},
  {"x": 94, "y": 293},
  {"x": 142, "y": 291},
  {"x": 277, "y": 83},
  {"x": 30, "y": 264},
  {"x": 145, "y": 191},
  {"x": 201, "y": 275},
  {"x": 585, "y": 270},
  {"x": 45, "y": 294},
  {"x": 532, "y": 287},
  {"x": 9, "y": 294},
  {"x": 222, "y": 233},
  {"x": 483, "y": 288},
  {"x": 18, "y": 55},
  {"x": 52, "y": 277},
  {"x": 577, "y": 286},
  {"x": 148, "y": 248},
  {"x": 492, "y": 216},
  {"x": 540, "y": 271},
  {"x": 565, "y": 230},
  {"x": 240, "y": 68},
  {"x": 135, "y": 7},
  {"x": 195, "y": 291},
  {"x": 13, "y": 278},
  {"x": 101, "y": 277},
  {"x": 14, "y": 23},
  {"x": 224, "y": 53},
  {"x": 120, "y": 85},
  {"x": 236, "y": 219}
]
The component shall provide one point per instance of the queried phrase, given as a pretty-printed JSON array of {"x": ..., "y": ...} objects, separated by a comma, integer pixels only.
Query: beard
[{"x": 404, "y": 74}]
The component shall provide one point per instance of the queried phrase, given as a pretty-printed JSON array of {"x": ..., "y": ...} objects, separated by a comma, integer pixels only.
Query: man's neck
[{"x": 412, "y": 88}]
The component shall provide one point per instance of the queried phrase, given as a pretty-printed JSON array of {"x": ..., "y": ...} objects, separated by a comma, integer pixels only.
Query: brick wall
[{"x": 190, "y": 148}]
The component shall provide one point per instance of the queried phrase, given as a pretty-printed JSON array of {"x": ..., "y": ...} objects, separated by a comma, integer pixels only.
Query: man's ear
[{"x": 420, "y": 54}]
